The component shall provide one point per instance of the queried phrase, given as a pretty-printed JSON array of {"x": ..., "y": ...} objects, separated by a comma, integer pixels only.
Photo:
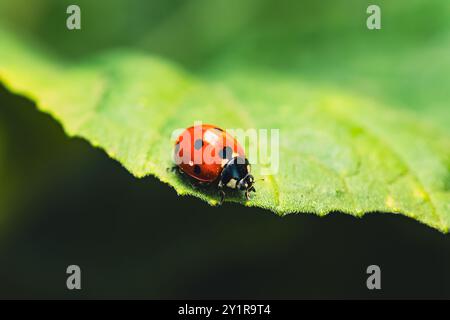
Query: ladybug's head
[
  {"x": 236, "y": 174},
  {"x": 246, "y": 183}
]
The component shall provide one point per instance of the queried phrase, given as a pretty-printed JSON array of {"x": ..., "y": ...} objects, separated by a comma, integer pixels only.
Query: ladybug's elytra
[{"x": 210, "y": 156}]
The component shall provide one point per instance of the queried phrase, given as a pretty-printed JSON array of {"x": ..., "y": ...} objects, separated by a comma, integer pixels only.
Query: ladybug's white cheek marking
[
  {"x": 224, "y": 162},
  {"x": 232, "y": 184},
  {"x": 248, "y": 168}
]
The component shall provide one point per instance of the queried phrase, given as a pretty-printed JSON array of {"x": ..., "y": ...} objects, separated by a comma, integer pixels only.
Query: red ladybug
[{"x": 211, "y": 156}]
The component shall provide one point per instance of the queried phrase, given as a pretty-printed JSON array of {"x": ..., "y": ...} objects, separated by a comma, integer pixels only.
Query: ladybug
[{"x": 212, "y": 156}]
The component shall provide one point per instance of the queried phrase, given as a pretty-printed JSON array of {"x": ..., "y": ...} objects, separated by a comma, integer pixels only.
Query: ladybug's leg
[
  {"x": 247, "y": 192},
  {"x": 172, "y": 169},
  {"x": 221, "y": 192},
  {"x": 222, "y": 196},
  {"x": 194, "y": 185}
]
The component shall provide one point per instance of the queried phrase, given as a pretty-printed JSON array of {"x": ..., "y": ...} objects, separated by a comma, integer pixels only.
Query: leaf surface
[{"x": 340, "y": 150}]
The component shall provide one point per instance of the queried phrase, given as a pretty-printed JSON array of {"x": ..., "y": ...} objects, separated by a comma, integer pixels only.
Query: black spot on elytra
[
  {"x": 197, "y": 169},
  {"x": 198, "y": 144},
  {"x": 226, "y": 153}
]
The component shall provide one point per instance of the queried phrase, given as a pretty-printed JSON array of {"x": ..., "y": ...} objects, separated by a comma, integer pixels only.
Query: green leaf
[
  {"x": 337, "y": 152},
  {"x": 341, "y": 149}
]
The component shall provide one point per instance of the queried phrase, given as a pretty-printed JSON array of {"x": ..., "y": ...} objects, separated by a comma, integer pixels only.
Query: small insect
[{"x": 212, "y": 156}]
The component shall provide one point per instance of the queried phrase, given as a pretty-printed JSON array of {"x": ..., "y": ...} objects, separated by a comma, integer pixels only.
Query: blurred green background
[
  {"x": 63, "y": 202},
  {"x": 325, "y": 42}
]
